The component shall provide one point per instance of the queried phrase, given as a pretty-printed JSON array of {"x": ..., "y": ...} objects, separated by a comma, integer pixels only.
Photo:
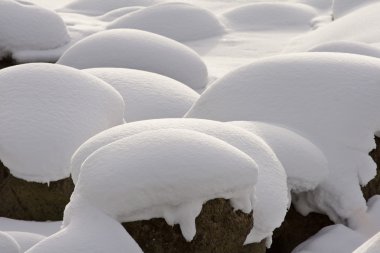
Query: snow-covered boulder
[
  {"x": 128, "y": 48},
  {"x": 304, "y": 163},
  {"x": 319, "y": 4},
  {"x": 270, "y": 207},
  {"x": 8, "y": 244},
  {"x": 117, "y": 13},
  {"x": 26, "y": 240},
  {"x": 329, "y": 98},
  {"x": 343, "y": 7},
  {"x": 370, "y": 246},
  {"x": 87, "y": 230},
  {"x": 178, "y": 21},
  {"x": 166, "y": 173},
  {"x": 148, "y": 95},
  {"x": 99, "y": 7},
  {"x": 46, "y": 112},
  {"x": 29, "y": 27},
  {"x": 351, "y": 27},
  {"x": 350, "y": 47},
  {"x": 270, "y": 16}
]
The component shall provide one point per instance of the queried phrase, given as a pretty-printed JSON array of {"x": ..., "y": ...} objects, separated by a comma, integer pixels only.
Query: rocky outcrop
[
  {"x": 373, "y": 187},
  {"x": 219, "y": 230}
]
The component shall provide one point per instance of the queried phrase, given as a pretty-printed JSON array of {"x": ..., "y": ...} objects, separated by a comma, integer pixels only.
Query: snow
[
  {"x": 370, "y": 246},
  {"x": 156, "y": 164},
  {"x": 45, "y": 228},
  {"x": 99, "y": 7},
  {"x": 349, "y": 47},
  {"x": 117, "y": 13},
  {"x": 270, "y": 207},
  {"x": 329, "y": 98},
  {"x": 8, "y": 244},
  {"x": 343, "y": 7},
  {"x": 25, "y": 240},
  {"x": 128, "y": 48},
  {"x": 178, "y": 21},
  {"x": 29, "y": 27},
  {"x": 270, "y": 15},
  {"x": 351, "y": 27},
  {"x": 47, "y": 111},
  {"x": 148, "y": 95},
  {"x": 305, "y": 165},
  {"x": 88, "y": 231}
]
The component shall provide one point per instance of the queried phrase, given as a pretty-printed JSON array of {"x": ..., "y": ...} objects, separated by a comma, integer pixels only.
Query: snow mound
[
  {"x": 351, "y": 27},
  {"x": 343, "y": 7},
  {"x": 117, "y": 13},
  {"x": 29, "y": 27},
  {"x": 178, "y": 21},
  {"x": 47, "y": 111},
  {"x": 270, "y": 16},
  {"x": 319, "y": 4},
  {"x": 8, "y": 244},
  {"x": 45, "y": 228},
  {"x": 329, "y": 98},
  {"x": 172, "y": 171},
  {"x": 128, "y": 48},
  {"x": 100, "y": 7},
  {"x": 370, "y": 246},
  {"x": 26, "y": 240},
  {"x": 350, "y": 47},
  {"x": 148, "y": 95},
  {"x": 331, "y": 239},
  {"x": 305, "y": 165},
  {"x": 270, "y": 206},
  {"x": 88, "y": 230}
]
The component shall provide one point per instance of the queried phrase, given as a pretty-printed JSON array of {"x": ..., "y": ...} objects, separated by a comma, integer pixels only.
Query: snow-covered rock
[
  {"x": 349, "y": 47},
  {"x": 99, "y": 7},
  {"x": 128, "y": 48},
  {"x": 46, "y": 112},
  {"x": 270, "y": 16},
  {"x": 26, "y": 240},
  {"x": 166, "y": 173},
  {"x": 305, "y": 165},
  {"x": 370, "y": 246},
  {"x": 270, "y": 207},
  {"x": 8, "y": 244},
  {"x": 148, "y": 95},
  {"x": 343, "y": 7},
  {"x": 319, "y": 4},
  {"x": 29, "y": 27},
  {"x": 87, "y": 230},
  {"x": 329, "y": 98},
  {"x": 45, "y": 228},
  {"x": 117, "y": 13},
  {"x": 178, "y": 21}
]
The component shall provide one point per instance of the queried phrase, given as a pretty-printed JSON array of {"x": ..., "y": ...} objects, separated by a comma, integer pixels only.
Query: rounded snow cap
[
  {"x": 136, "y": 49},
  {"x": 350, "y": 47},
  {"x": 8, "y": 244},
  {"x": 46, "y": 112}
]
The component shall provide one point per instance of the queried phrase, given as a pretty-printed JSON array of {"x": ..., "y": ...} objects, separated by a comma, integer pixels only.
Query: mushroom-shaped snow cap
[
  {"x": 269, "y": 16},
  {"x": 128, "y": 48},
  {"x": 8, "y": 244},
  {"x": 270, "y": 206},
  {"x": 304, "y": 163},
  {"x": 29, "y": 27},
  {"x": 172, "y": 171},
  {"x": 148, "y": 95},
  {"x": 329, "y": 98},
  {"x": 350, "y": 47},
  {"x": 46, "y": 112},
  {"x": 178, "y": 21}
]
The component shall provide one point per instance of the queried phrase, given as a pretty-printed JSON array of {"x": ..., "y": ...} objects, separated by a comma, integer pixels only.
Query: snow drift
[{"x": 349, "y": 47}]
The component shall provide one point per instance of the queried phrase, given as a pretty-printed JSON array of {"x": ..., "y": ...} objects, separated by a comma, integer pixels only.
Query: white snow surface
[
  {"x": 172, "y": 171},
  {"x": 148, "y": 95},
  {"x": 329, "y": 98},
  {"x": 47, "y": 111},
  {"x": 350, "y": 47},
  {"x": 305, "y": 164},
  {"x": 370, "y": 246},
  {"x": 270, "y": 206},
  {"x": 343, "y": 7},
  {"x": 8, "y": 244},
  {"x": 117, "y": 13},
  {"x": 25, "y": 240},
  {"x": 88, "y": 230},
  {"x": 270, "y": 15},
  {"x": 45, "y": 228},
  {"x": 178, "y": 21},
  {"x": 129, "y": 48},
  {"x": 29, "y": 27}
]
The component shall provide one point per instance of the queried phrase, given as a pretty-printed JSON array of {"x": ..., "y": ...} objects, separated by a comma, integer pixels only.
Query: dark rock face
[
  {"x": 7, "y": 62},
  {"x": 219, "y": 230},
  {"x": 373, "y": 187},
  {"x": 24, "y": 200}
]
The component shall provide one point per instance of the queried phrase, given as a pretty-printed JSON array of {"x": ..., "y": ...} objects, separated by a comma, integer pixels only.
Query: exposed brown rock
[
  {"x": 219, "y": 230},
  {"x": 7, "y": 62},
  {"x": 373, "y": 187}
]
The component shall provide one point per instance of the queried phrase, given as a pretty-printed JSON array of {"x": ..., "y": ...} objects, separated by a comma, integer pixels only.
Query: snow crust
[
  {"x": 128, "y": 48},
  {"x": 173, "y": 171},
  {"x": 328, "y": 98},
  {"x": 270, "y": 206},
  {"x": 349, "y": 47},
  {"x": 148, "y": 95},
  {"x": 8, "y": 244},
  {"x": 305, "y": 164},
  {"x": 88, "y": 230},
  {"x": 47, "y": 111},
  {"x": 178, "y": 21},
  {"x": 270, "y": 15},
  {"x": 29, "y": 27}
]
